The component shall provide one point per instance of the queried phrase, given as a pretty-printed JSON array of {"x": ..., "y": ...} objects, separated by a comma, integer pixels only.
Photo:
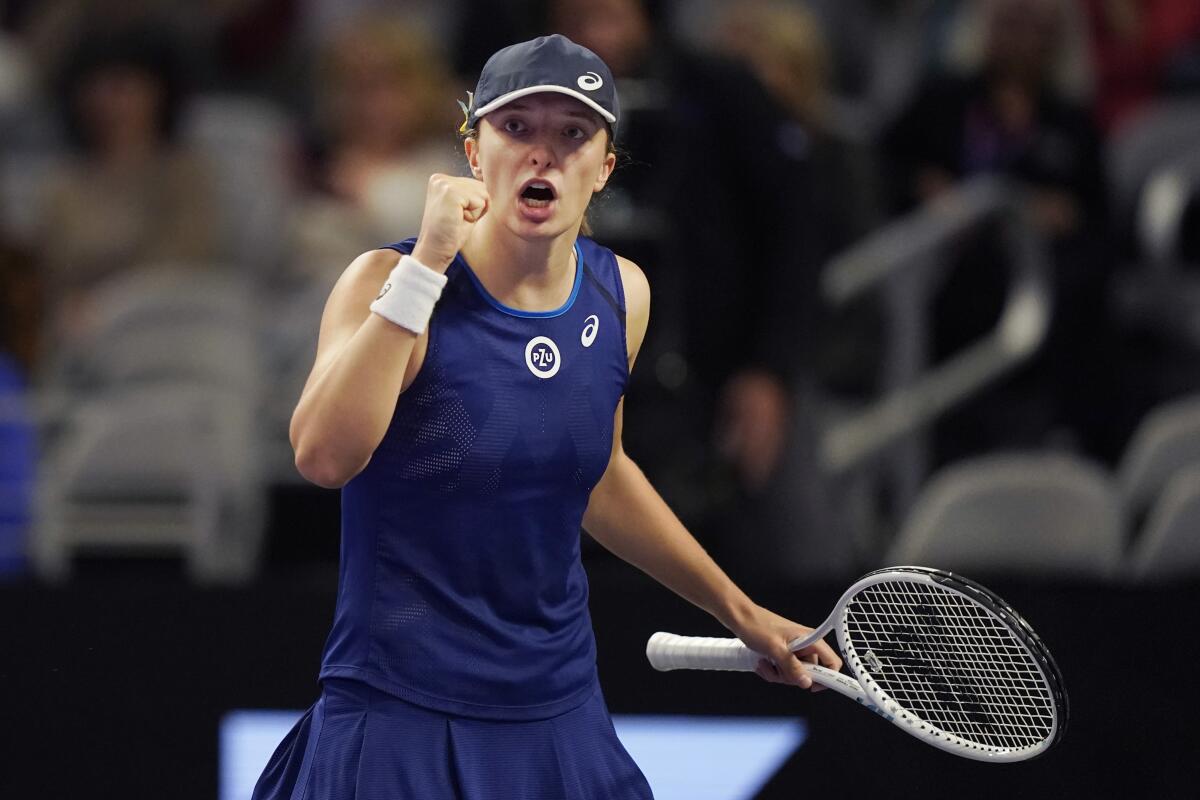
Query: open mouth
[{"x": 537, "y": 194}]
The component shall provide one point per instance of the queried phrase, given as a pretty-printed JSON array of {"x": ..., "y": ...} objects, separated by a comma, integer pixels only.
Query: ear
[
  {"x": 610, "y": 163},
  {"x": 471, "y": 148}
]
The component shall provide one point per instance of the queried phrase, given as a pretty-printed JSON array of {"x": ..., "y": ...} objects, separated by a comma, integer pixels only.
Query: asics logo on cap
[{"x": 590, "y": 81}]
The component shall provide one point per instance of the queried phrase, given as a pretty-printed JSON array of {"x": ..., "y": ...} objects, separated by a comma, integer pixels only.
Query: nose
[{"x": 541, "y": 156}]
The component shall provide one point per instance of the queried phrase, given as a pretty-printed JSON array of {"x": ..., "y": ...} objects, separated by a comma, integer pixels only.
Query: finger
[
  {"x": 821, "y": 653},
  {"x": 792, "y": 671},
  {"x": 474, "y": 207},
  {"x": 829, "y": 657},
  {"x": 767, "y": 671}
]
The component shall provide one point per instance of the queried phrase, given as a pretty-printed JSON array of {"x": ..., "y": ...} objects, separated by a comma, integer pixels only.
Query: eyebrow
[{"x": 578, "y": 113}]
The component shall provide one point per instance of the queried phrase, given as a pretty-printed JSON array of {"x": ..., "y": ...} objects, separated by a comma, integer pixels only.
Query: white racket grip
[{"x": 668, "y": 651}]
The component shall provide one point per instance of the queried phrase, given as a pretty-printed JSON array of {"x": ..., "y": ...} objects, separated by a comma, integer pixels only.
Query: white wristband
[{"x": 409, "y": 295}]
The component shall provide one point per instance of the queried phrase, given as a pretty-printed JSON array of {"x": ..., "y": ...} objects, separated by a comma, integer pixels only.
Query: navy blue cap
[{"x": 546, "y": 64}]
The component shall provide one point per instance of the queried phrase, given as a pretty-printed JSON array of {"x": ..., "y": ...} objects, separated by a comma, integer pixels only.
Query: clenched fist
[{"x": 452, "y": 207}]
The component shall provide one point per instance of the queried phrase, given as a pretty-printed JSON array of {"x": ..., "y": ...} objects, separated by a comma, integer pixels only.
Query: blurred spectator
[
  {"x": 881, "y": 49},
  {"x": 1069, "y": 69},
  {"x": 386, "y": 114},
  {"x": 1135, "y": 45},
  {"x": 16, "y": 76},
  {"x": 1007, "y": 118},
  {"x": 20, "y": 303},
  {"x": 254, "y": 47},
  {"x": 53, "y": 30},
  {"x": 132, "y": 196},
  {"x": 786, "y": 47},
  {"x": 715, "y": 205}
]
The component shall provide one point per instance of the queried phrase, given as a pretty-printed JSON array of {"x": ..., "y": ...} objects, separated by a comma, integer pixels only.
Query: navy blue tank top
[{"x": 460, "y": 584}]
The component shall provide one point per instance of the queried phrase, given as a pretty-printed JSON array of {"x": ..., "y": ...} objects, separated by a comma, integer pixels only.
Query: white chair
[
  {"x": 171, "y": 469},
  {"x": 156, "y": 446},
  {"x": 1035, "y": 514},
  {"x": 1157, "y": 137},
  {"x": 1169, "y": 546},
  {"x": 1166, "y": 441},
  {"x": 160, "y": 324}
]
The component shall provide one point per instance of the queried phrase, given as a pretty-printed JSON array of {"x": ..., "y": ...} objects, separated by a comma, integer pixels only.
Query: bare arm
[
  {"x": 364, "y": 361},
  {"x": 628, "y": 517},
  {"x": 359, "y": 372}
]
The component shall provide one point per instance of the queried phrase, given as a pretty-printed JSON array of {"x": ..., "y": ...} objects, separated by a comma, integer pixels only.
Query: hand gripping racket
[{"x": 939, "y": 656}]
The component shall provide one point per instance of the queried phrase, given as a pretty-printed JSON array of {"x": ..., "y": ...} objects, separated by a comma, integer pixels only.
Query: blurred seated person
[
  {"x": 712, "y": 197},
  {"x": 20, "y": 304},
  {"x": 785, "y": 46},
  {"x": 131, "y": 196},
  {"x": 385, "y": 125},
  {"x": 1007, "y": 119},
  {"x": 1136, "y": 45}
]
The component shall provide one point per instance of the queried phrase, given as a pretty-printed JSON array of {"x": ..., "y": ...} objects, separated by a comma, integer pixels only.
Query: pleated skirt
[{"x": 358, "y": 743}]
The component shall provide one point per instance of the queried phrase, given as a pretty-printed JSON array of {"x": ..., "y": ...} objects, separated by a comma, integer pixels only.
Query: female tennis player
[{"x": 467, "y": 397}]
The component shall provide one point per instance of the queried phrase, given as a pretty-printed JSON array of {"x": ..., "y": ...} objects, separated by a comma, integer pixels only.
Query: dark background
[{"x": 116, "y": 688}]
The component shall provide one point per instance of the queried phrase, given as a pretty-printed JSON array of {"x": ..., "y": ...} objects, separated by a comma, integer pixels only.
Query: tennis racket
[{"x": 938, "y": 655}]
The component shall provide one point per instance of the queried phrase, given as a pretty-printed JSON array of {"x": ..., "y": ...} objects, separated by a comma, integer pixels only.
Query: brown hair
[{"x": 382, "y": 42}]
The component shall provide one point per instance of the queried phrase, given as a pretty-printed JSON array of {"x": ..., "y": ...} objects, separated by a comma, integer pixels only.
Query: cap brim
[{"x": 505, "y": 99}]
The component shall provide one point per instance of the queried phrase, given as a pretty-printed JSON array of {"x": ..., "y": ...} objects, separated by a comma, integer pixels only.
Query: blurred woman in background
[
  {"x": 380, "y": 127},
  {"x": 132, "y": 196}
]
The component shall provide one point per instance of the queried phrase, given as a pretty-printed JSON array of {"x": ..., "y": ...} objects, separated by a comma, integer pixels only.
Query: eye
[
  {"x": 513, "y": 125},
  {"x": 575, "y": 132}
]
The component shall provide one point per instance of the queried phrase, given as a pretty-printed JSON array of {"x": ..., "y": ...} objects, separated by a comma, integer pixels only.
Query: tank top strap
[
  {"x": 406, "y": 246},
  {"x": 601, "y": 270}
]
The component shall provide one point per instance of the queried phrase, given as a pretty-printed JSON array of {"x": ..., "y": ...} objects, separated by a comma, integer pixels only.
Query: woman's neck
[{"x": 531, "y": 275}]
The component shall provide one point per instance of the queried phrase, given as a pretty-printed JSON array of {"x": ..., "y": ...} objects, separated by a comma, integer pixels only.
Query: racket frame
[{"x": 862, "y": 687}]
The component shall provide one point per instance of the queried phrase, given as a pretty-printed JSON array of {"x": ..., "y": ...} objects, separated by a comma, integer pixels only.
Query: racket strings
[{"x": 951, "y": 663}]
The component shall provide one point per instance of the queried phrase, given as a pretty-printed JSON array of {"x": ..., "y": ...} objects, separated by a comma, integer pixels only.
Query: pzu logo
[{"x": 541, "y": 356}]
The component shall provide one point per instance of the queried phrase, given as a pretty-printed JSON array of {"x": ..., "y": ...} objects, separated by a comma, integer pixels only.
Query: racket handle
[{"x": 668, "y": 651}]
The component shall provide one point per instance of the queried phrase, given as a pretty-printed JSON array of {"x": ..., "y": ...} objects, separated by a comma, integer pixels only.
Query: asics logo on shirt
[
  {"x": 541, "y": 356},
  {"x": 590, "y": 329}
]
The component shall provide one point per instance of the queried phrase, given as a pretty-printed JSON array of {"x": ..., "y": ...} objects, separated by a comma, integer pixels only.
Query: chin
[{"x": 539, "y": 231}]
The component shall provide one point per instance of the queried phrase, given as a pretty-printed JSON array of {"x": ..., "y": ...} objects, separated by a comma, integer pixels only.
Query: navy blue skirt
[{"x": 358, "y": 743}]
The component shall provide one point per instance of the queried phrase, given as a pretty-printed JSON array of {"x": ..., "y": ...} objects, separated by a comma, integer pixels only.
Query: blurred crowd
[{"x": 259, "y": 145}]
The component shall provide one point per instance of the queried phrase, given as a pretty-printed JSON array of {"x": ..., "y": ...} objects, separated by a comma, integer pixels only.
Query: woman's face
[
  {"x": 120, "y": 107},
  {"x": 541, "y": 158}
]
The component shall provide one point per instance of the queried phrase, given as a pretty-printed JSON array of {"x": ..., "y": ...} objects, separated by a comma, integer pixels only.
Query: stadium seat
[
  {"x": 1138, "y": 150},
  {"x": 164, "y": 471},
  {"x": 1169, "y": 545},
  {"x": 152, "y": 441},
  {"x": 1026, "y": 514},
  {"x": 1166, "y": 441}
]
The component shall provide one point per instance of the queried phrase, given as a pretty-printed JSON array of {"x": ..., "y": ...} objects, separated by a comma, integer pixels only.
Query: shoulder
[
  {"x": 372, "y": 263},
  {"x": 360, "y": 281},
  {"x": 637, "y": 304},
  {"x": 633, "y": 281}
]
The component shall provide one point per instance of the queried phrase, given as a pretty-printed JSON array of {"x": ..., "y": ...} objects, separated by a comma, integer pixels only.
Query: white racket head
[{"x": 952, "y": 663}]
